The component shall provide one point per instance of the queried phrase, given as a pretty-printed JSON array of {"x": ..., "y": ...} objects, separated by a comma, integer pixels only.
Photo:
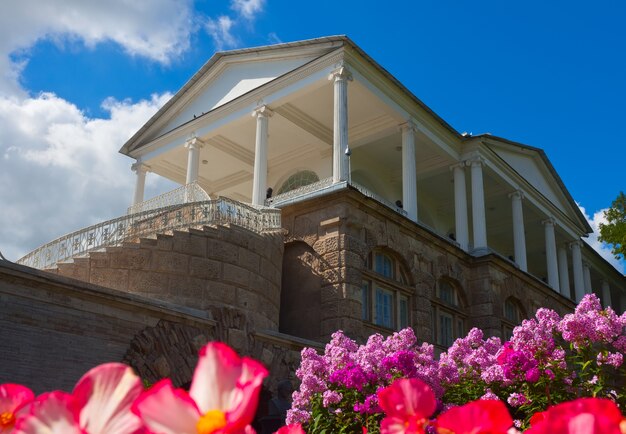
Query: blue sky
[{"x": 83, "y": 76}]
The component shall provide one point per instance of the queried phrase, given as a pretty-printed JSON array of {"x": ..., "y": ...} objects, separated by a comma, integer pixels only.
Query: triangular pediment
[
  {"x": 227, "y": 76},
  {"x": 535, "y": 168}
]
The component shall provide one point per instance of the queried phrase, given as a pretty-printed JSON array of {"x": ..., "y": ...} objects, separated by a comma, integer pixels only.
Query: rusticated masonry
[
  {"x": 217, "y": 266},
  {"x": 328, "y": 243},
  {"x": 170, "y": 349}
]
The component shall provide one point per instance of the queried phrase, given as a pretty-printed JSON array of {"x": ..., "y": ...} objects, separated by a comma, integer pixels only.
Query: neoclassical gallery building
[{"x": 317, "y": 193}]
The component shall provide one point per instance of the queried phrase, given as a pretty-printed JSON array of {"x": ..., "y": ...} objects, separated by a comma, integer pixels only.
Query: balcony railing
[
  {"x": 300, "y": 191},
  {"x": 132, "y": 226},
  {"x": 187, "y": 193},
  {"x": 378, "y": 198}
]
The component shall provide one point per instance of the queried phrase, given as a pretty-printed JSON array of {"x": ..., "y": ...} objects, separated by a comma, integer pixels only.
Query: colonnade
[{"x": 556, "y": 256}]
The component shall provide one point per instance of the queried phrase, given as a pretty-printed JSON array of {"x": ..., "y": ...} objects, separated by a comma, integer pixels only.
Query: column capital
[
  {"x": 475, "y": 161},
  {"x": 575, "y": 243},
  {"x": 460, "y": 165},
  {"x": 194, "y": 143},
  {"x": 409, "y": 125},
  {"x": 140, "y": 167},
  {"x": 516, "y": 194},
  {"x": 548, "y": 222},
  {"x": 586, "y": 264},
  {"x": 340, "y": 74},
  {"x": 262, "y": 111}
]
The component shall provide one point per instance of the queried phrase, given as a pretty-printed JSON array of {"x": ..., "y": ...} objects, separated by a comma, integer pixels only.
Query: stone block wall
[
  {"x": 342, "y": 228},
  {"x": 220, "y": 266},
  {"x": 53, "y": 329}
]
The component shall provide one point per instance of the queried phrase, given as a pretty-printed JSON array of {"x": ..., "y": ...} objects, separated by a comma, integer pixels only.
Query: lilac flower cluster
[
  {"x": 549, "y": 359},
  {"x": 590, "y": 324},
  {"x": 362, "y": 369}
]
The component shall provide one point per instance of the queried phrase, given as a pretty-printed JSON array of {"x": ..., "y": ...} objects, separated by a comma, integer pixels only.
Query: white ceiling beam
[
  {"x": 231, "y": 148},
  {"x": 305, "y": 122}
]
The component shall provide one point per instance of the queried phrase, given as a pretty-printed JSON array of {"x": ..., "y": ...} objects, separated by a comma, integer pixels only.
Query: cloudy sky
[{"x": 79, "y": 77}]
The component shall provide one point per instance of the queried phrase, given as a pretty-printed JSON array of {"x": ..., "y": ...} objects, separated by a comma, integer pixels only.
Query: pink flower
[
  {"x": 581, "y": 416},
  {"x": 13, "y": 399},
  {"x": 291, "y": 429},
  {"x": 407, "y": 403},
  {"x": 100, "y": 404},
  {"x": 222, "y": 399},
  {"x": 486, "y": 416}
]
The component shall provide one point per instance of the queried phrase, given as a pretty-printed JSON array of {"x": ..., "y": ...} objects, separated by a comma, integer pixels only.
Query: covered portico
[{"x": 274, "y": 124}]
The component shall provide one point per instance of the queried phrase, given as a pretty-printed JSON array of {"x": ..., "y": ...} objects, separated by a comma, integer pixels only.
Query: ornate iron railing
[
  {"x": 132, "y": 226},
  {"x": 187, "y": 193},
  {"x": 300, "y": 191},
  {"x": 378, "y": 198}
]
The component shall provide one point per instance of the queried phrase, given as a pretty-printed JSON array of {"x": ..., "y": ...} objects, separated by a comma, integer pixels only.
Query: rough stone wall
[
  {"x": 223, "y": 266},
  {"x": 53, "y": 329},
  {"x": 344, "y": 227}
]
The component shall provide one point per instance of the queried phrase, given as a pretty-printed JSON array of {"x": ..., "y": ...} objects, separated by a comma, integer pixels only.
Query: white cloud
[
  {"x": 220, "y": 31},
  {"x": 273, "y": 38},
  {"x": 158, "y": 30},
  {"x": 248, "y": 9},
  {"x": 603, "y": 249},
  {"x": 60, "y": 170}
]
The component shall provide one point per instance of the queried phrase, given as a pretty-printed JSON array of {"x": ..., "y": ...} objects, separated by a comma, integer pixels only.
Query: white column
[
  {"x": 460, "y": 206},
  {"x": 551, "y": 260},
  {"x": 519, "y": 236},
  {"x": 564, "y": 272},
  {"x": 193, "y": 146},
  {"x": 409, "y": 176},
  {"x": 606, "y": 293},
  {"x": 340, "y": 77},
  {"x": 140, "y": 169},
  {"x": 479, "y": 223},
  {"x": 587, "y": 278},
  {"x": 577, "y": 265},
  {"x": 259, "y": 182}
]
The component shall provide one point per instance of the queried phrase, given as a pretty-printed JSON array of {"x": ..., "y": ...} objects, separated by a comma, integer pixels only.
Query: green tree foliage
[{"x": 614, "y": 231}]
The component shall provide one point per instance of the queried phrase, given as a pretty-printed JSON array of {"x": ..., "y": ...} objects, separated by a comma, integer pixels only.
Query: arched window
[
  {"x": 513, "y": 316},
  {"x": 299, "y": 179},
  {"x": 385, "y": 295},
  {"x": 448, "y": 315}
]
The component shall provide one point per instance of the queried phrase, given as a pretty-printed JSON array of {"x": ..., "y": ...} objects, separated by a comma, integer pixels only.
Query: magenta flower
[
  {"x": 482, "y": 416},
  {"x": 407, "y": 403},
  {"x": 13, "y": 400},
  {"x": 100, "y": 404},
  {"x": 222, "y": 399},
  {"x": 291, "y": 429}
]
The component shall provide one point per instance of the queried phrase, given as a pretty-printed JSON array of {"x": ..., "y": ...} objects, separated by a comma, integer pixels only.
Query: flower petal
[
  {"x": 291, "y": 429},
  {"x": 245, "y": 399},
  {"x": 215, "y": 378},
  {"x": 407, "y": 397},
  {"x": 477, "y": 416},
  {"x": 105, "y": 395},
  {"x": 165, "y": 410},
  {"x": 53, "y": 412},
  {"x": 13, "y": 397}
]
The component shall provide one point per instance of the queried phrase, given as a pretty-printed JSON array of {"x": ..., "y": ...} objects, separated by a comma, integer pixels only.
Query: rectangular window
[
  {"x": 384, "y": 307},
  {"x": 445, "y": 329},
  {"x": 365, "y": 301},
  {"x": 460, "y": 329},
  {"x": 447, "y": 293},
  {"x": 403, "y": 312},
  {"x": 383, "y": 265},
  {"x": 508, "y": 333}
]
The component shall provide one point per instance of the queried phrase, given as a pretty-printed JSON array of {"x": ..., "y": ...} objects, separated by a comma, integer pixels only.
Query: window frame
[
  {"x": 395, "y": 284},
  {"x": 453, "y": 310},
  {"x": 509, "y": 323}
]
